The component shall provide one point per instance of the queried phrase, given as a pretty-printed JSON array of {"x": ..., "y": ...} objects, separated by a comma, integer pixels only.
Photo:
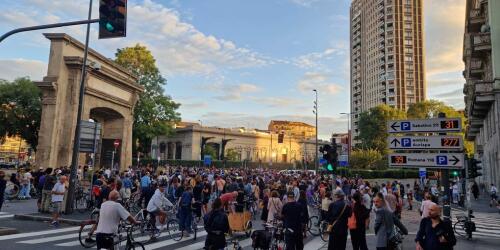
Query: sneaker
[{"x": 55, "y": 224}]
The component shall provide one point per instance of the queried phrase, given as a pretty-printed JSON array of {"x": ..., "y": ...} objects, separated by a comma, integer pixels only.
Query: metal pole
[
  {"x": 316, "y": 143},
  {"x": 113, "y": 160},
  {"x": 46, "y": 26},
  {"x": 76, "y": 141}
]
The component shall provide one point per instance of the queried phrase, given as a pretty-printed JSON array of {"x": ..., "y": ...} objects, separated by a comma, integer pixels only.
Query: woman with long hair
[{"x": 362, "y": 214}]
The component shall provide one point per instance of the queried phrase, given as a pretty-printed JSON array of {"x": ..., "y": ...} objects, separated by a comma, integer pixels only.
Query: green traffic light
[
  {"x": 109, "y": 27},
  {"x": 455, "y": 173},
  {"x": 329, "y": 167}
]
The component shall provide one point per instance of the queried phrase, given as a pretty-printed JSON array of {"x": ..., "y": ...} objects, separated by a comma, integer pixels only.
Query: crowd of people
[{"x": 346, "y": 204}]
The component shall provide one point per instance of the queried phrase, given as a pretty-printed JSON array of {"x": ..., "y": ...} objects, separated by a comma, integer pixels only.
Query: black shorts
[{"x": 104, "y": 241}]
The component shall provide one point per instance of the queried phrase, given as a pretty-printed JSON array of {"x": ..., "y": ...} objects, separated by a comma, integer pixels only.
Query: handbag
[
  {"x": 330, "y": 226},
  {"x": 351, "y": 222}
]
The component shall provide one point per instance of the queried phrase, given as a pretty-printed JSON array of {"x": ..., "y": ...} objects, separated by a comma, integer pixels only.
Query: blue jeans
[
  {"x": 25, "y": 191},
  {"x": 185, "y": 219}
]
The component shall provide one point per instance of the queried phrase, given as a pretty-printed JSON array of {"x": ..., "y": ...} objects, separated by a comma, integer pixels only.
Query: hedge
[{"x": 377, "y": 174}]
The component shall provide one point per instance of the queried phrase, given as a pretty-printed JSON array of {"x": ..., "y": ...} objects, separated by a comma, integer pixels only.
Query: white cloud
[
  {"x": 178, "y": 46},
  {"x": 230, "y": 92},
  {"x": 276, "y": 102},
  {"x": 305, "y": 3},
  {"x": 14, "y": 68},
  {"x": 315, "y": 60},
  {"x": 319, "y": 81},
  {"x": 454, "y": 98},
  {"x": 444, "y": 29}
]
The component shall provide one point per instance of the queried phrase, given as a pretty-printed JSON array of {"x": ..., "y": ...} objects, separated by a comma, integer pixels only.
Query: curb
[
  {"x": 45, "y": 218},
  {"x": 7, "y": 231}
]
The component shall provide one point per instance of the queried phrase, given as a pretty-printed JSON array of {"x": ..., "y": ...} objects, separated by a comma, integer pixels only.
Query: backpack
[
  {"x": 213, "y": 223},
  {"x": 261, "y": 239}
]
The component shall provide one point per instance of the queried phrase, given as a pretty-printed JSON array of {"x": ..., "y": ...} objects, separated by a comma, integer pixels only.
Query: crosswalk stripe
[
  {"x": 49, "y": 239},
  {"x": 315, "y": 243},
  {"x": 198, "y": 245},
  {"x": 6, "y": 216},
  {"x": 171, "y": 242},
  {"x": 2, "y": 213},
  {"x": 24, "y": 235}
]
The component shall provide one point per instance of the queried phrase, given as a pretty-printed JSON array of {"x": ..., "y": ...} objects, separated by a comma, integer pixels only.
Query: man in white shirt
[
  {"x": 110, "y": 214},
  {"x": 156, "y": 204},
  {"x": 57, "y": 198}
]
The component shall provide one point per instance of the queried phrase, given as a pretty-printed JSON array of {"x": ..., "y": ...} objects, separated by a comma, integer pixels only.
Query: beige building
[
  {"x": 387, "y": 60},
  {"x": 14, "y": 149},
  {"x": 294, "y": 129},
  {"x": 250, "y": 144},
  {"x": 481, "y": 55}
]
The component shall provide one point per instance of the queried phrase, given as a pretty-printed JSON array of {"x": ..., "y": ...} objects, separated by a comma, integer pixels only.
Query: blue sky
[{"x": 240, "y": 63}]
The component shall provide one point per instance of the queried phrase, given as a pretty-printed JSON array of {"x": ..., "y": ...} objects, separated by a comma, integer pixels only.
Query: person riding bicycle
[
  {"x": 109, "y": 218},
  {"x": 216, "y": 224},
  {"x": 156, "y": 204}
]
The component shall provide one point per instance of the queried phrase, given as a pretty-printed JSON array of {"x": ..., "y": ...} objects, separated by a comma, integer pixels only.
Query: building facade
[
  {"x": 481, "y": 55},
  {"x": 387, "y": 60},
  {"x": 249, "y": 144},
  {"x": 15, "y": 149},
  {"x": 294, "y": 129}
]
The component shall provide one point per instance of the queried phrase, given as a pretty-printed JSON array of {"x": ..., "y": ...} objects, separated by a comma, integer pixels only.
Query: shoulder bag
[{"x": 330, "y": 226}]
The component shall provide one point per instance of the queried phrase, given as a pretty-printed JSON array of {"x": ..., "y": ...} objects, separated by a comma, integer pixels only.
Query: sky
[{"x": 236, "y": 63}]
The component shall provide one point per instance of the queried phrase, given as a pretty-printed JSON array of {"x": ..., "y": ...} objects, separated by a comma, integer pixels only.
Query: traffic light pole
[{"x": 76, "y": 141}]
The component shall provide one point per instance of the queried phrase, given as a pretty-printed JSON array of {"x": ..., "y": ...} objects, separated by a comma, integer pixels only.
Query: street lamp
[
  {"x": 348, "y": 134},
  {"x": 315, "y": 111}
]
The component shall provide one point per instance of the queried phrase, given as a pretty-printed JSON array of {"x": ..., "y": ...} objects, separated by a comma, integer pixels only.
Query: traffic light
[
  {"x": 473, "y": 168},
  {"x": 455, "y": 173},
  {"x": 112, "y": 18}
]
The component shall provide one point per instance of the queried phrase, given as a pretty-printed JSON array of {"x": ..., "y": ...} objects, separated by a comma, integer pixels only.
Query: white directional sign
[
  {"x": 438, "y": 160},
  {"x": 427, "y": 125},
  {"x": 426, "y": 142}
]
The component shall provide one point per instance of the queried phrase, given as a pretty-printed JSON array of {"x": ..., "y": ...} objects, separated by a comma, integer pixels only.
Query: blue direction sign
[
  {"x": 427, "y": 125},
  {"x": 207, "y": 160}
]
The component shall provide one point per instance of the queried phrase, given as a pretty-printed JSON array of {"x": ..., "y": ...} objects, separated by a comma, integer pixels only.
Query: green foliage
[
  {"x": 372, "y": 127},
  {"x": 20, "y": 110},
  {"x": 155, "y": 113},
  {"x": 231, "y": 155},
  {"x": 209, "y": 150},
  {"x": 367, "y": 159},
  {"x": 432, "y": 108}
]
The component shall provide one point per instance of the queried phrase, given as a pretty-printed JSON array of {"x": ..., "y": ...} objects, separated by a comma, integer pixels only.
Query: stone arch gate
[{"x": 111, "y": 93}]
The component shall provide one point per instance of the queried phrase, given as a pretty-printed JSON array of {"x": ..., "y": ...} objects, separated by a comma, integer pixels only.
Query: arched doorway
[{"x": 112, "y": 129}]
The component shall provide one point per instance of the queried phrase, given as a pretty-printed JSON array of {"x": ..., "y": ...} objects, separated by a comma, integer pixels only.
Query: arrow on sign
[
  {"x": 394, "y": 126},
  {"x": 455, "y": 160},
  {"x": 395, "y": 141}
]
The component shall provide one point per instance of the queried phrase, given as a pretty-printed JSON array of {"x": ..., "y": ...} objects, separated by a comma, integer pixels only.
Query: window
[{"x": 409, "y": 58}]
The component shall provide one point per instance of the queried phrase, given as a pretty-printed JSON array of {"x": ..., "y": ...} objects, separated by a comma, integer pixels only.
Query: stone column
[
  {"x": 126, "y": 144},
  {"x": 44, "y": 154}
]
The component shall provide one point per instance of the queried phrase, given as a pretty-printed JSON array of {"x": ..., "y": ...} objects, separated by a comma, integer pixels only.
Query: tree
[
  {"x": 372, "y": 127},
  {"x": 210, "y": 150},
  {"x": 231, "y": 155},
  {"x": 432, "y": 108},
  {"x": 155, "y": 113},
  {"x": 20, "y": 110},
  {"x": 367, "y": 159}
]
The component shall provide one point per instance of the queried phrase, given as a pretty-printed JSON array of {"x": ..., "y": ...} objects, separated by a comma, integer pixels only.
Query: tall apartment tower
[{"x": 387, "y": 55}]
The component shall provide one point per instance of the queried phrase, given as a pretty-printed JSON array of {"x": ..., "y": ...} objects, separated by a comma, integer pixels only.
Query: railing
[
  {"x": 476, "y": 64},
  {"x": 481, "y": 39}
]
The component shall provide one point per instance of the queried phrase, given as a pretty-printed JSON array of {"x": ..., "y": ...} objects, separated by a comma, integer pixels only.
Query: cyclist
[
  {"x": 109, "y": 218},
  {"x": 156, "y": 204}
]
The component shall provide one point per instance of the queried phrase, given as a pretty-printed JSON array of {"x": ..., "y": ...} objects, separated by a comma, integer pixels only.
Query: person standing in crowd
[
  {"x": 292, "y": 214},
  {"x": 305, "y": 212},
  {"x": 265, "y": 202},
  {"x": 384, "y": 223},
  {"x": 57, "y": 197},
  {"x": 362, "y": 215},
  {"x": 475, "y": 190},
  {"x": 126, "y": 190},
  {"x": 325, "y": 204},
  {"x": 216, "y": 225},
  {"x": 409, "y": 197},
  {"x": 338, "y": 213},
  {"x": 145, "y": 186},
  {"x": 48, "y": 184},
  {"x": 3, "y": 185},
  {"x": 493, "y": 195},
  {"x": 454, "y": 193},
  {"x": 274, "y": 206},
  {"x": 435, "y": 233},
  {"x": 185, "y": 211},
  {"x": 426, "y": 204}
]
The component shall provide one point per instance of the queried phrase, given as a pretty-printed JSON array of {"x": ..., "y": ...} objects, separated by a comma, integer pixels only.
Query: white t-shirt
[
  {"x": 60, "y": 188},
  {"x": 109, "y": 217},
  {"x": 157, "y": 201}
]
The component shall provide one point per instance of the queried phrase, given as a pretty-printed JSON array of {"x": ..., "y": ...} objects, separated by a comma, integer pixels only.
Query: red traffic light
[{"x": 116, "y": 143}]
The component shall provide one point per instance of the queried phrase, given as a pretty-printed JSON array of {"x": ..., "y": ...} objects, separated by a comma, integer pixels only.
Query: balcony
[
  {"x": 476, "y": 19},
  {"x": 476, "y": 69},
  {"x": 381, "y": 24},
  {"x": 481, "y": 42},
  {"x": 380, "y": 7}
]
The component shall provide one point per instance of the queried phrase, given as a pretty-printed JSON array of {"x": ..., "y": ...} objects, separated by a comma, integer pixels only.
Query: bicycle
[
  {"x": 313, "y": 225},
  {"x": 464, "y": 227},
  {"x": 234, "y": 243},
  {"x": 117, "y": 239},
  {"x": 277, "y": 234},
  {"x": 11, "y": 191}
]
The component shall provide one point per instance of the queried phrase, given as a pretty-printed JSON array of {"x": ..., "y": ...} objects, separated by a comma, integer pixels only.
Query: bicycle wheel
[
  {"x": 459, "y": 228},
  {"x": 173, "y": 230},
  {"x": 323, "y": 233},
  {"x": 135, "y": 245},
  {"x": 195, "y": 229},
  {"x": 11, "y": 191},
  {"x": 83, "y": 237},
  {"x": 313, "y": 225}
]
